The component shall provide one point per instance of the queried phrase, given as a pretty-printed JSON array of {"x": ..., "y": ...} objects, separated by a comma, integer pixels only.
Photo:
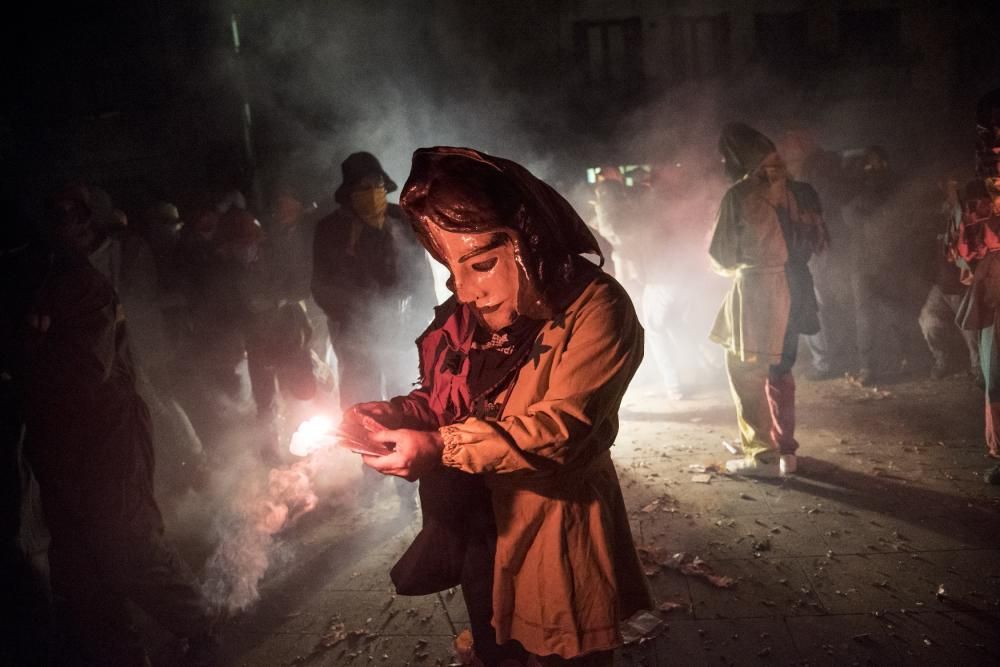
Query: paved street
[{"x": 884, "y": 549}]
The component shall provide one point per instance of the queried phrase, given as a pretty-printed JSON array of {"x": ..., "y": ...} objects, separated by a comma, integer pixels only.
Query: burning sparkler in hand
[{"x": 313, "y": 434}]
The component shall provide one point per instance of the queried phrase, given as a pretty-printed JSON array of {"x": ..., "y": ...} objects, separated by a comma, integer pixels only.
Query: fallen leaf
[{"x": 670, "y": 606}]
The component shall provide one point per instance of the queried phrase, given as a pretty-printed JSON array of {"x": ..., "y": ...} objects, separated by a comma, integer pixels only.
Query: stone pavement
[{"x": 884, "y": 549}]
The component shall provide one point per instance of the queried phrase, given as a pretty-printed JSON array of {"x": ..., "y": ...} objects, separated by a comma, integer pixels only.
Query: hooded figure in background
[
  {"x": 373, "y": 281},
  {"x": 522, "y": 375},
  {"x": 767, "y": 229}
]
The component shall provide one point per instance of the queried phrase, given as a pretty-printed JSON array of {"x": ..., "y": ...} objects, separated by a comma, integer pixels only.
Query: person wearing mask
[
  {"x": 768, "y": 227},
  {"x": 522, "y": 375},
  {"x": 373, "y": 281}
]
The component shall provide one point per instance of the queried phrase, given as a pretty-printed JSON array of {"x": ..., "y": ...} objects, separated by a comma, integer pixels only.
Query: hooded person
[
  {"x": 767, "y": 229},
  {"x": 522, "y": 374}
]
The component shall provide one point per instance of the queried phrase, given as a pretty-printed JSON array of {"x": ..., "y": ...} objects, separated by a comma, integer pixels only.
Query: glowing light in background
[{"x": 313, "y": 434}]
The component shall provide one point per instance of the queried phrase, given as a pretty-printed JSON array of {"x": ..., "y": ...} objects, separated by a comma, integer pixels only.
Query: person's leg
[
  {"x": 658, "y": 301},
  {"x": 360, "y": 380},
  {"x": 747, "y": 382},
  {"x": 90, "y": 611},
  {"x": 971, "y": 338},
  {"x": 865, "y": 322},
  {"x": 821, "y": 344},
  {"x": 359, "y": 372},
  {"x": 477, "y": 585},
  {"x": 936, "y": 321},
  {"x": 989, "y": 355},
  {"x": 781, "y": 401}
]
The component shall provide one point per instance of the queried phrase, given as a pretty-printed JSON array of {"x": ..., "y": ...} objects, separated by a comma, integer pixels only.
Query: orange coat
[{"x": 566, "y": 571}]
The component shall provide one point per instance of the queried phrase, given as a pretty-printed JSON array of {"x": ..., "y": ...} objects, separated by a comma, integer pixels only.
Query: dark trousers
[
  {"x": 989, "y": 356},
  {"x": 366, "y": 372},
  {"x": 881, "y": 323},
  {"x": 97, "y": 568},
  {"x": 108, "y": 547},
  {"x": 831, "y": 346}
]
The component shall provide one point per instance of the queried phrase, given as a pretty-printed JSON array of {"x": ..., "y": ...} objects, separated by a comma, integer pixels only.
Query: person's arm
[
  {"x": 588, "y": 377},
  {"x": 724, "y": 248}
]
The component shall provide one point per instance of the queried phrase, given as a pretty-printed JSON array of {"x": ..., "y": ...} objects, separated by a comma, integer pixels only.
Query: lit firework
[{"x": 313, "y": 434}]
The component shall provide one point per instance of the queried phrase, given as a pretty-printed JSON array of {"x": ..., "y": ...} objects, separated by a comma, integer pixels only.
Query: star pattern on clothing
[
  {"x": 559, "y": 321},
  {"x": 538, "y": 348}
]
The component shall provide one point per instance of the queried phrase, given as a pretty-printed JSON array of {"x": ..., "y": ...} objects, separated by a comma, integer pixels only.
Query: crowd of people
[{"x": 126, "y": 340}]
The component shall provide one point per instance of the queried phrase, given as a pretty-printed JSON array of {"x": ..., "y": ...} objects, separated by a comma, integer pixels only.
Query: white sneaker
[
  {"x": 788, "y": 464},
  {"x": 752, "y": 468}
]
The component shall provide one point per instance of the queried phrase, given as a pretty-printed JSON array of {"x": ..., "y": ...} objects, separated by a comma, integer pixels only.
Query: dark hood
[{"x": 743, "y": 148}]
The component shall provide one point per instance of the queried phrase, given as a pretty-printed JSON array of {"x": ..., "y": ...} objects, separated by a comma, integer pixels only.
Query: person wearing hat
[
  {"x": 768, "y": 227},
  {"x": 373, "y": 281}
]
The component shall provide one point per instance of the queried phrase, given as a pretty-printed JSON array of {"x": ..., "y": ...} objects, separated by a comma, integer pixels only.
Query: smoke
[
  {"x": 235, "y": 509},
  {"x": 250, "y": 505},
  {"x": 234, "y": 571}
]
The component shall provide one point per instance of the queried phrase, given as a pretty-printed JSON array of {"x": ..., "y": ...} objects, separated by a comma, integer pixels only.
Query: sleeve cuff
[{"x": 451, "y": 452}]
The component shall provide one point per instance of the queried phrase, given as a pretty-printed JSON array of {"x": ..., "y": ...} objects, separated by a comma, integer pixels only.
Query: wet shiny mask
[{"x": 484, "y": 273}]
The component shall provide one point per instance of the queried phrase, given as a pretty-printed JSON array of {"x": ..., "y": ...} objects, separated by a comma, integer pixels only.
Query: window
[
  {"x": 782, "y": 41},
  {"x": 610, "y": 54},
  {"x": 699, "y": 46}
]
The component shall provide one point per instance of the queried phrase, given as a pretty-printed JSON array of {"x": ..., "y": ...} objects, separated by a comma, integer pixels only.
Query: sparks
[{"x": 313, "y": 434}]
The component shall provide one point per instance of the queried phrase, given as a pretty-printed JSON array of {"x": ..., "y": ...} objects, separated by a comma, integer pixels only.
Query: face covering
[{"x": 370, "y": 205}]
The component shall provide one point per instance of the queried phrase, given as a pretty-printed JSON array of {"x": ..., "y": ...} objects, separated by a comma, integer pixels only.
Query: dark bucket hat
[{"x": 356, "y": 167}]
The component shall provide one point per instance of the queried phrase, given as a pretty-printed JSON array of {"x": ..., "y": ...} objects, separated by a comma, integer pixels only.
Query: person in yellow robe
[{"x": 767, "y": 229}]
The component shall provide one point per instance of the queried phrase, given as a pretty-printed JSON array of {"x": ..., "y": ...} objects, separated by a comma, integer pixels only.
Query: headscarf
[
  {"x": 461, "y": 189},
  {"x": 743, "y": 149}
]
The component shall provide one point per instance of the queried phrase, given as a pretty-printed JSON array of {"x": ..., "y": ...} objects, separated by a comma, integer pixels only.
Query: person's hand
[
  {"x": 374, "y": 416},
  {"x": 415, "y": 453}
]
